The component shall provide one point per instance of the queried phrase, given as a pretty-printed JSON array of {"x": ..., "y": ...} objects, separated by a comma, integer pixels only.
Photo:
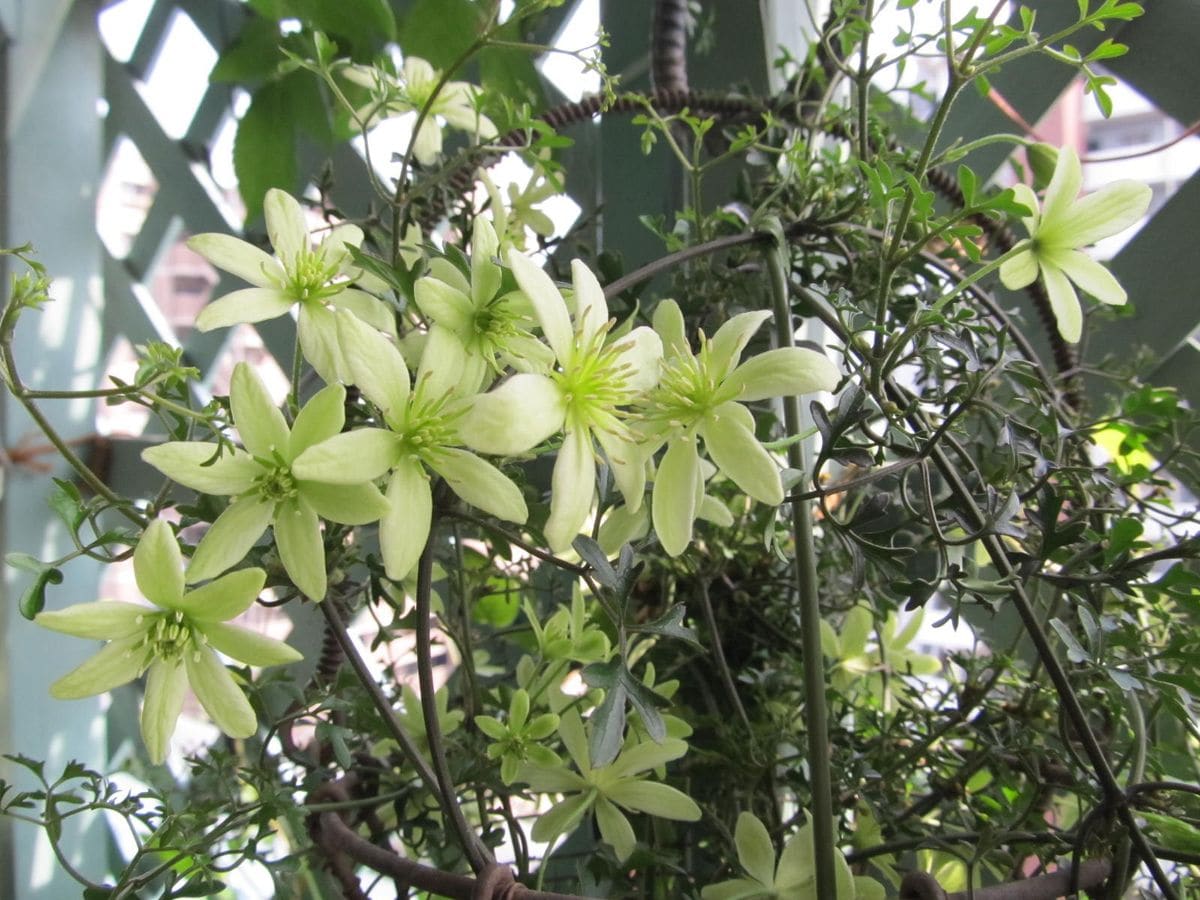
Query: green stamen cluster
[{"x": 310, "y": 277}]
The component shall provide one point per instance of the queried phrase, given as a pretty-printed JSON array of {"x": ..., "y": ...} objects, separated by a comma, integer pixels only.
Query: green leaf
[
  {"x": 608, "y": 721},
  {"x": 67, "y": 502},
  {"x": 254, "y": 54},
  {"x": 33, "y": 601},
  {"x": 264, "y": 150},
  {"x": 1173, "y": 833},
  {"x": 589, "y": 551},
  {"x": 1075, "y": 651},
  {"x": 440, "y": 31},
  {"x": 364, "y": 25},
  {"x": 670, "y": 625}
]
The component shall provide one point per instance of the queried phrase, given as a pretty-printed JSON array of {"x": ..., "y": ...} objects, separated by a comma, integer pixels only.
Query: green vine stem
[{"x": 816, "y": 715}]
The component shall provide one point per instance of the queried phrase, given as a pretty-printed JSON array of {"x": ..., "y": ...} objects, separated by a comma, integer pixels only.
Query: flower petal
[
  {"x": 481, "y": 484},
  {"x": 224, "y": 598},
  {"x": 1062, "y": 191},
  {"x": 1108, "y": 211},
  {"x": 1064, "y": 301},
  {"x": 104, "y": 620},
  {"x": 674, "y": 500},
  {"x": 562, "y": 818},
  {"x": 285, "y": 226},
  {"x": 298, "y": 539},
  {"x": 347, "y": 504},
  {"x": 446, "y": 365},
  {"x": 615, "y": 829},
  {"x": 247, "y": 305},
  {"x": 375, "y": 365},
  {"x": 548, "y": 304},
  {"x": 194, "y": 464},
  {"x": 238, "y": 257},
  {"x": 668, "y": 322},
  {"x": 1021, "y": 270},
  {"x": 427, "y": 143},
  {"x": 230, "y": 538},
  {"x": 738, "y": 454},
  {"x": 158, "y": 565},
  {"x": 445, "y": 304},
  {"x": 784, "y": 372},
  {"x": 369, "y": 309},
  {"x": 641, "y": 352},
  {"x": 515, "y": 417},
  {"x": 318, "y": 333},
  {"x": 572, "y": 489},
  {"x": 445, "y": 271},
  {"x": 248, "y": 646},
  {"x": 485, "y": 274},
  {"x": 118, "y": 663},
  {"x": 405, "y": 528},
  {"x": 219, "y": 694},
  {"x": 165, "y": 688},
  {"x": 322, "y": 417},
  {"x": 755, "y": 851},
  {"x": 1089, "y": 275},
  {"x": 263, "y": 430},
  {"x": 628, "y": 466},
  {"x": 1024, "y": 195},
  {"x": 591, "y": 309},
  {"x": 622, "y": 525},
  {"x": 731, "y": 339},
  {"x": 352, "y": 457},
  {"x": 655, "y": 799}
]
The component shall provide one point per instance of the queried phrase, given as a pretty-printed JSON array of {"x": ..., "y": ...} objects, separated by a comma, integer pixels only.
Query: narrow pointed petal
[
  {"x": 562, "y": 818},
  {"x": 1024, "y": 195},
  {"x": 574, "y": 738},
  {"x": 318, "y": 333},
  {"x": 1065, "y": 303},
  {"x": 263, "y": 430},
  {"x": 1090, "y": 275},
  {"x": 158, "y": 565},
  {"x": 194, "y": 464},
  {"x": 352, "y": 457},
  {"x": 485, "y": 274},
  {"x": 755, "y": 851},
  {"x": 375, "y": 365},
  {"x": 427, "y": 145},
  {"x": 738, "y": 454},
  {"x": 369, "y": 309},
  {"x": 628, "y": 466},
  {"x": 230, "y": 538},
  {"x": 572, "y": 489},
  {"x": 615, "y": 829},
  {"x": 347, "y": 504},
  {"x": 621, "y": 526},
  {"x": 238, "y": 257},
  {"x": 731, "y": 339},
  {"x": 645, "y": 756},
  {"x": 515, "y": 417},
  {"x": 481, "y": 484},
  {"x": 465, "y": 118},
  {"x": 713, "y": 510},
  {"x": 285, "y": 226},
  {"x": 548, "y": 304},
  {"x": 642, "y": 352},
  {"x": 445, "y": 304},
  {"x": 1020, "y": 271},
  {"x": 321, "y": 418},
  {"x": 165, "y": 689},
  {"x": 655, "y": 799},
  {"x": 116, "y": 664},
  {"x": 1108, "y": 211},
  {"x": 591, "y": 309},
  {"x": 444, "y": 270},
  {"x": 673, "y": 507},
  {"x": 298, "y": 539},
  {"x": 249, "y": 647},
  {"x": 219, "y": 694},
  {"x": 447, "y": 365},
  {"x": 405, "y": 528},
  {"x": 1063, "y": 189},
  {"x": 255, "y": 304},
  {"x": 668, "y": 322},
  {"x": 335, "y": 247},
  {"x": 102, "y": 620},
  {"x": 224, "y": 598},
  {"x": 785, "y": 372}
]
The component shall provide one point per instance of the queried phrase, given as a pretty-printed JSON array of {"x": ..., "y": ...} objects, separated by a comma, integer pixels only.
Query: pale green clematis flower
[
  {"x": 455, "y": 103},
  {"x": 794, "y": 878},
  {"x": 519, "y": 211},
  {"x": 699, "y": 397},
  {"x": 317, "y": 278},
  {"x": 422, "y": 434},
  {"x": 1064, "y": 223},
  {"x": 265, "y": 486},
  {"x": 607, "y": 790},
  {"x": 174, "y": 640},
  {"x": 595, "y": 378},
  {"x": 475, "y": 329}
]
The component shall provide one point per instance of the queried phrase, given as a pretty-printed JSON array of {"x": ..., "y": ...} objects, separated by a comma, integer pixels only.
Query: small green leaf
[
  {"x": 670, "y": 625},
  {"x": 591, "y": 553},
  {"x": 1075, "y": 651}
]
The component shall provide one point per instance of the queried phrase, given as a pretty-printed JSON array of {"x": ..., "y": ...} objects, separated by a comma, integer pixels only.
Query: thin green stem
[{"x": 816, "y": 715}]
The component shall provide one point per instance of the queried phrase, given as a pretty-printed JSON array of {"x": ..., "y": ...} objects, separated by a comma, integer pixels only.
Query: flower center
[
  {"x": 276, "y": 483},
  {"x": 595, "y": 383},
  {"x": 687, "y": 391},
  {"x": 169, "y": 637},
  {"x": 309, "y": 276},
  {"x": 430, "y": 422}
]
